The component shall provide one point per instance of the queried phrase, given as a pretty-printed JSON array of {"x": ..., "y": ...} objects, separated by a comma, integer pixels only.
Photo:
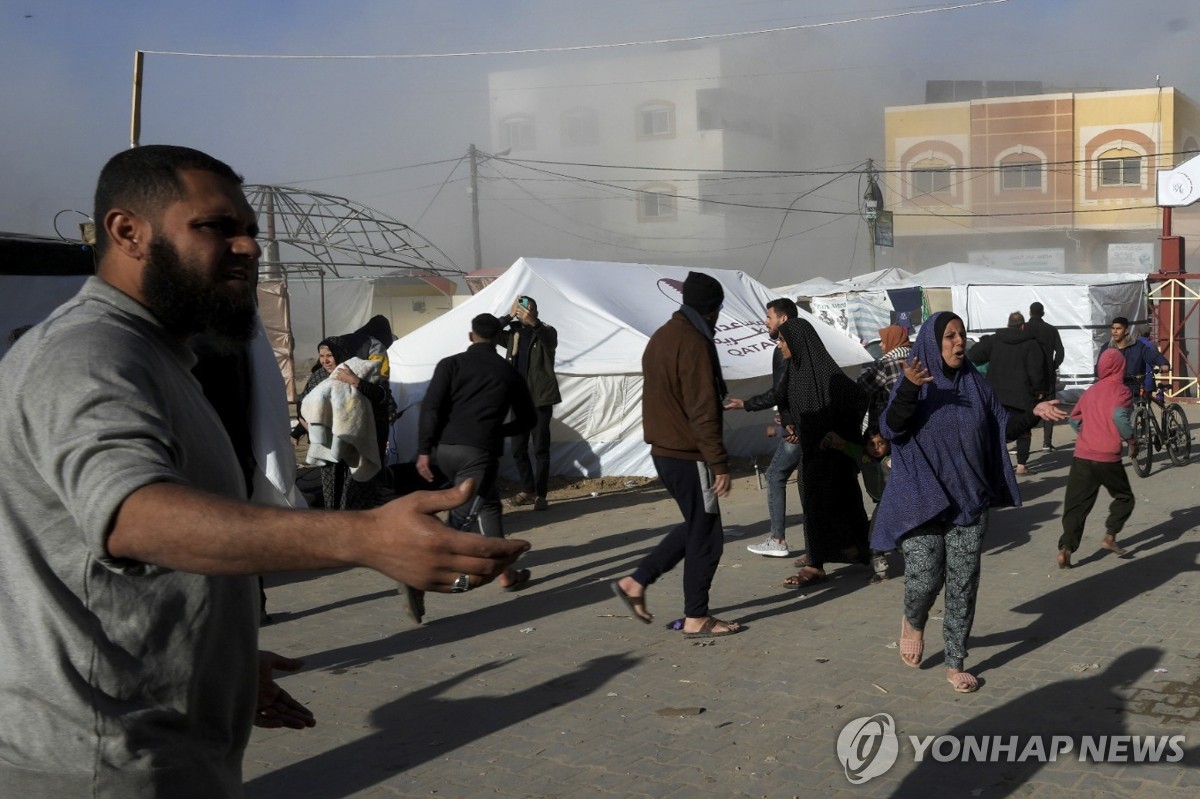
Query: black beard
[{"x": 186, "y": 304}]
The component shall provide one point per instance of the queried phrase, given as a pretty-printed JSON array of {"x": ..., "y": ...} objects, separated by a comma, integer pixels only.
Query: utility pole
[
  {"x": 474, "y": 190},
  {"x": 872, "y": 203},
  {"x": 135, "y": 122}
]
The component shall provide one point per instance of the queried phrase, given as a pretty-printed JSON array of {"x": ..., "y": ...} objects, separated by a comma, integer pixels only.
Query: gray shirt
[{"x": 117, "y": 678}]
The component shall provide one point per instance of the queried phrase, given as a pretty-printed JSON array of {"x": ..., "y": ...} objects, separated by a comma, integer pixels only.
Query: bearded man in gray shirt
[{"x": 128, "y": 663}]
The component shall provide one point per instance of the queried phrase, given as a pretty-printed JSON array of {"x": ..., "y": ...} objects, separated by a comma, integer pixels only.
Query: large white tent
[
  {"x": 1081, "y": 306},
  {"x": 858, "y": 306},
  {"x": 605, "y": 313}
]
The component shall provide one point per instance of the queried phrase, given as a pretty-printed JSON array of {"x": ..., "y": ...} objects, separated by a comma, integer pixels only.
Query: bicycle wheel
[
  {"x": 1178, "y": 436},
  {"x": 1141, "y": 434}
]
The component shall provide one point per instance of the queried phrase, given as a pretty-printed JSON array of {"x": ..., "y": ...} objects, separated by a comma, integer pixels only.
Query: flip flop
[
  {"x": 706, "y": 629},
  {"x": 801, "y": 580},
  {"x": 636, "y": 604},
  {"x": 522, "y": 577},
  {"x": 963, "y": 682},
  {"x": 909, "y": 645}
]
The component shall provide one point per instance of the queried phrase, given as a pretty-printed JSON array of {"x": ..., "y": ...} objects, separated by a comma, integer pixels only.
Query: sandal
[
  {"x": 636, "y": 604},
  {"x": 706, "y": 630},
  {"x": 519, "y": 499},
  {"x": 808, "y": 575},
  {"x": 520, "y": 578},
  {"x": 802, "y": 561},
  {"x": 964, "y": 682},
  {"x": 910, "y": 646},
  {"x": 1064, "y": 558}
]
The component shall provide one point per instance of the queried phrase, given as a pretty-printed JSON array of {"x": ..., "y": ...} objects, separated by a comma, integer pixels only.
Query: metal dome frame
[{"x": 311, "y": 232}]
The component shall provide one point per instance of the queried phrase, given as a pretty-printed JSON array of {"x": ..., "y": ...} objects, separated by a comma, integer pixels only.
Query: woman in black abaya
[{"x": 822, "y": 399}]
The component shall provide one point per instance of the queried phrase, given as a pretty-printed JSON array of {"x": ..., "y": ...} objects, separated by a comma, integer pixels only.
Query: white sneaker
[{"x": 771, "y": 548}]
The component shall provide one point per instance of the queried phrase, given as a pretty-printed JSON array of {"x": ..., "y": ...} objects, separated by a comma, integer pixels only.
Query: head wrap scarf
[
  {"x": 951, "y": 462},
  {"x": 820, "y": 395},
  {"x": 891, "y": 337},
  {"x": 341, "y": 352}
]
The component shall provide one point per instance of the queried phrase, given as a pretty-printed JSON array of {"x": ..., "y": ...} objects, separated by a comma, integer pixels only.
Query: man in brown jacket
[{"x": 682, "y": 421}]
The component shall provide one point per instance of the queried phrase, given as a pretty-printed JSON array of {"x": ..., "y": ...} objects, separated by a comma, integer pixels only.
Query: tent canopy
[
  {"x": 605, "y": 313},
  {"x": 1081, "y": 306}
]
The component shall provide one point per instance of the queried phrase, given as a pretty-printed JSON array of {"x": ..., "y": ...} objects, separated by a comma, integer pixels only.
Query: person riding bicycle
[{"x": 1140, "y": 356}]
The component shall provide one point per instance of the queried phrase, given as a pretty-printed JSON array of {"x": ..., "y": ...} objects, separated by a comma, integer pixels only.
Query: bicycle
[{"x": 1172, "y": 434}]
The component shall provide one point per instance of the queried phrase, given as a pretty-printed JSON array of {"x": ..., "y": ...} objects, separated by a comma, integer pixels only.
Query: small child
[
  {"x": 1101, "y": 419},
  {"x": 875, "y": 465}
]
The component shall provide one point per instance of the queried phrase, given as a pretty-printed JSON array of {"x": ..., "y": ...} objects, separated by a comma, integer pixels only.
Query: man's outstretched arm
[{"x": 189, "y": 530}]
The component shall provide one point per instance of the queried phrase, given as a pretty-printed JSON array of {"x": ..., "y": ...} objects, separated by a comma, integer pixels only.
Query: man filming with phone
[{"x": 530, "y": 347}]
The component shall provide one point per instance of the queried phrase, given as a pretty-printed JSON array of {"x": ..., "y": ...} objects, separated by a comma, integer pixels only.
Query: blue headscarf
[{"x": 951, "y": 462}]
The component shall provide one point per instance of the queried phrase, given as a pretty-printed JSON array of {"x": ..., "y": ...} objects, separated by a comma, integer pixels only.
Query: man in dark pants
[
  {"x": 1017, "y": 371},
  {"x": 530, "y": 347},
  {"x": 787, "y": 454},
  {"x": 682, "y": 422},
  {"x": 462, "y": 417},
  {"x": 1047, "y": 335}
]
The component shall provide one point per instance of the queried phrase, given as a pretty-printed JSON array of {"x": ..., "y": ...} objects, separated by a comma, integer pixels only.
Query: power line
[{"x": 584, "y": 47}]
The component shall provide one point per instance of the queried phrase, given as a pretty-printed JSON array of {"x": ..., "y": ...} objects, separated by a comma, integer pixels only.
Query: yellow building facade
[{"x": 1069, "y": 172}]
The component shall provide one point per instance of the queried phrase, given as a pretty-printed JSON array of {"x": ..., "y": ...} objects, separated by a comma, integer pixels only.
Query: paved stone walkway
[{"x": 554, "y": 691}]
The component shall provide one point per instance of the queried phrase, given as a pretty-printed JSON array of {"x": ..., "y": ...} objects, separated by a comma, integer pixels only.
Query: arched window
[
  {"x": 1119, "y": 166},
  {"x": 930, "y": 176},
  {"x": 517, "y": 133},
  {"x": 656, "y": 120},
  {"x": 1020, "y": 170}
]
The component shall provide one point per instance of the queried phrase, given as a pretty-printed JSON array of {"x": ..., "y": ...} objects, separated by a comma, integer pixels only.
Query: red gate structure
[{"x": 1176, "y": 323}]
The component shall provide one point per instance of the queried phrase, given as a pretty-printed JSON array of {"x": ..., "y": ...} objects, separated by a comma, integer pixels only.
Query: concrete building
[
  {"x": 675, "y": 119},
  {"x": 1058, "y": 181}
]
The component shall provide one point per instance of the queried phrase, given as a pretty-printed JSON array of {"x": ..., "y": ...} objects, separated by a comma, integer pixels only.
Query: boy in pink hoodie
[{"x": 1101, "y": 420}]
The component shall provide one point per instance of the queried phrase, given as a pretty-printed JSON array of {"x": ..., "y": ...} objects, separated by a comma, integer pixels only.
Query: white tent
[
  {"x": 605, "y": 314},
  {"x": 1081, "y": 306},
  {"x": 858, "y": 306}
]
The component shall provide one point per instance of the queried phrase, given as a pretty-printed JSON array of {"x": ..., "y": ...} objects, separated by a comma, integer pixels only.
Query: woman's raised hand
[{"x": 916, "y": 373}]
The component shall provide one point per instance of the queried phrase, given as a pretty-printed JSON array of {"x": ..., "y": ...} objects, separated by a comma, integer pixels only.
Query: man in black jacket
[
  {"x": 530, "y": 346},
  {"x": 787, "y": 454},
  {"x": 462, "y": 416},
  {"x": 1017, "y": 371},
  {"x": 1047, "y": 335}
]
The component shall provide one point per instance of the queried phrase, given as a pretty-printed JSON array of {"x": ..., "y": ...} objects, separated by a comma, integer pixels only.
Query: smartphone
[{"x": 523, "y": 302}]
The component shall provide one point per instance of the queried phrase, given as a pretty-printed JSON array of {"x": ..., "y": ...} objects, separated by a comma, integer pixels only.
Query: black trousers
[
  {"x": 534, "y": 480},
  {"x": 699, "y": 541},
  {"x": 458, "y": 462},
  {"x": 1083, "y": 486}
]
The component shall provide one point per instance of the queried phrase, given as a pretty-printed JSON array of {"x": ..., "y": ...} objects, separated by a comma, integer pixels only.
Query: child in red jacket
[{"x": 1101, "y": 419}]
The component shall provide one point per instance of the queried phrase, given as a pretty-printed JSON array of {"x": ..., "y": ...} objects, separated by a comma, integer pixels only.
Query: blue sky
[{"x": 65, "y": 97}]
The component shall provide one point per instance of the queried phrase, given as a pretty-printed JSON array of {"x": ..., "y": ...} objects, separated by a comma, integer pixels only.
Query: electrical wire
[
  {"x": 584, "y": 47},
  {"x": 449, "y": 175},
  {"x": 57, "y": 232}
]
